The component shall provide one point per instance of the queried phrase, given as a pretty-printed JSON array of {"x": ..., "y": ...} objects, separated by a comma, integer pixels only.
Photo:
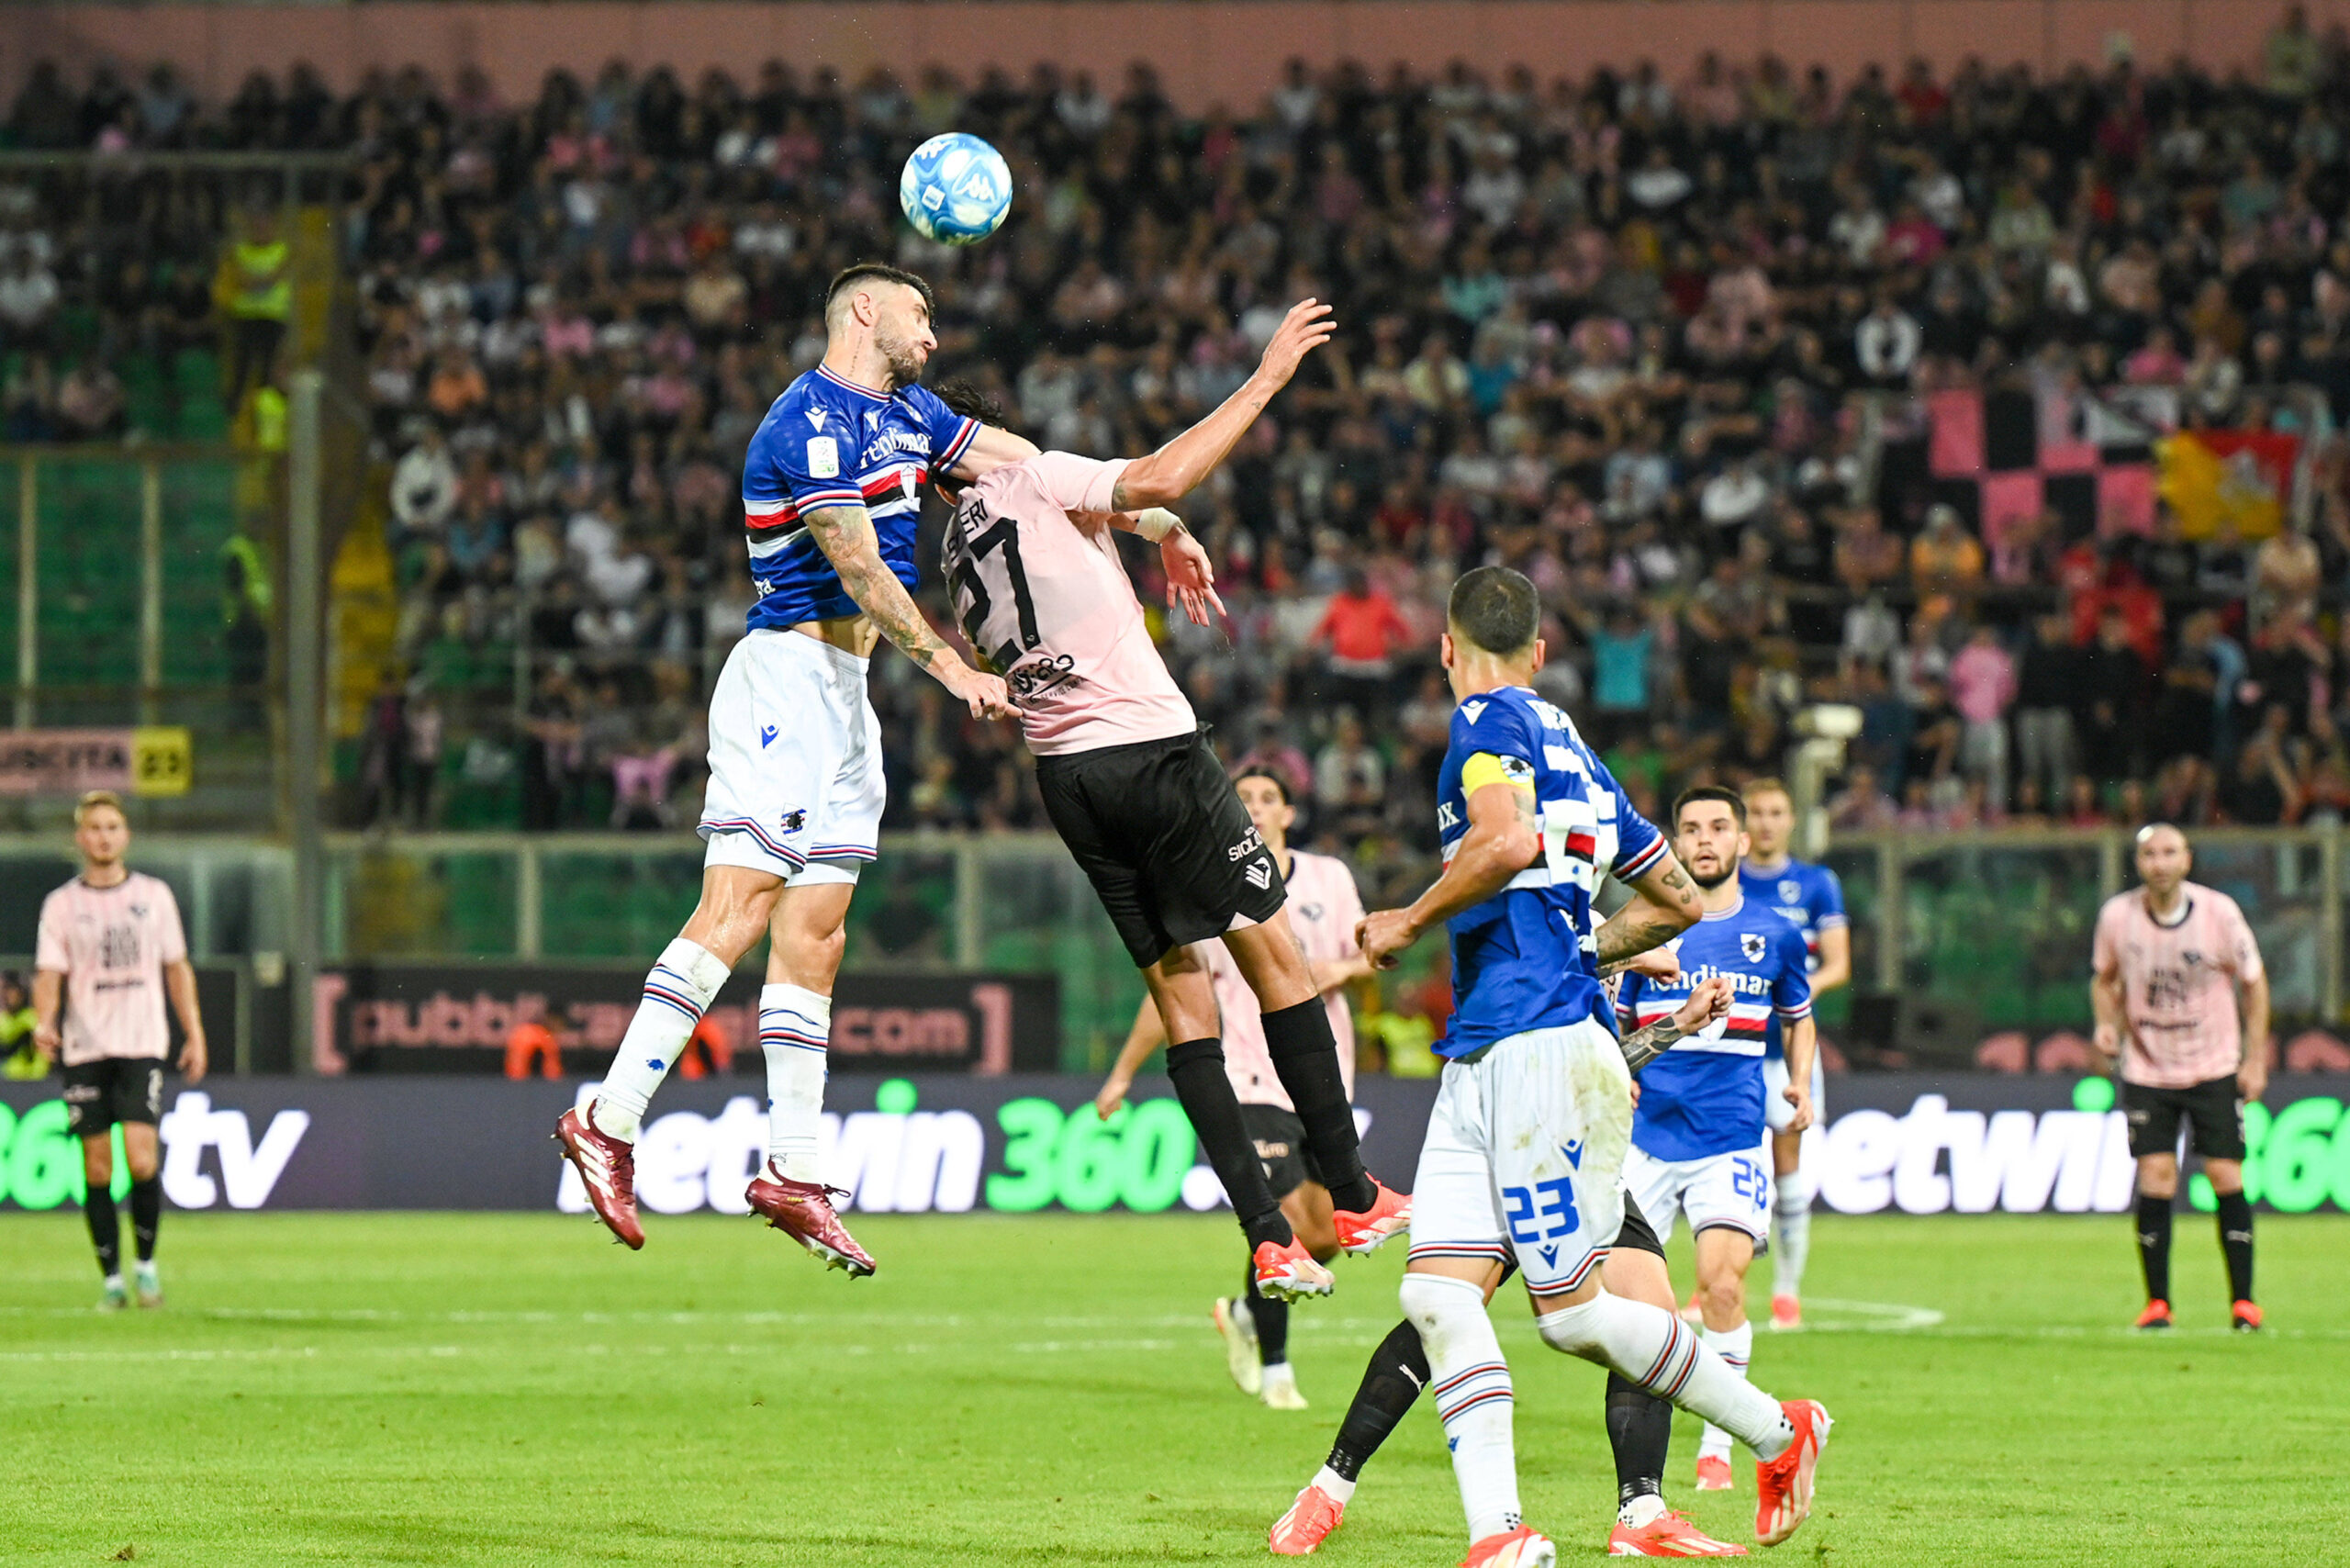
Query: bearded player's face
[{"x": 901, "y": 332}]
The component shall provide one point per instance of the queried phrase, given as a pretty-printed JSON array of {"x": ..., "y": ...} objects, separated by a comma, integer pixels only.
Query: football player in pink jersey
[
  {"x": 2172, "y": 959},
  {"x": 110, "y": 948},
  {"x": 1323, "y": 908},
  {"x": 1135, "y": 789}
]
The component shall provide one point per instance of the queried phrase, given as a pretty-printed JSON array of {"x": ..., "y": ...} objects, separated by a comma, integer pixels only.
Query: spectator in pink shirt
[{"x": 1982, "y": 687}]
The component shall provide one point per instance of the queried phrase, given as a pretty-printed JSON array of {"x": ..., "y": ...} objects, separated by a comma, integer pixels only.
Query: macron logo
[
  {"x": 816, "y": 418},
  {"x": 1475, "y": 710},
  {"x": 1573, "y": 1149},
  {"x": 767, "y": 736},
  {"x": 1550, "y": 1256}
]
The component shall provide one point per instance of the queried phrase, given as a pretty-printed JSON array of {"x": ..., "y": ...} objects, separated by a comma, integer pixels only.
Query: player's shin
[
  {"x": 1640, "y": 1433},
  {"x": 1272, "y": 1319},
  {"x": 2153, "y": 1244},
  {"x": 795, "y": 1025},
  {"x": 1391, "y": 1385},
  {"x": 1196, "y": 1069},
  {"x": 105, "y": 1230},
  {"x": 2236, "y": 1242},
  {"x": 1306, "y": 1058},
  {"x": 1473, "y": 1396},
  {"x": 1735, "y": 1348},
  {"x": 1792, "y": 1209},
  {"x": 1650, "y": 1347},
  {"x": 676, "y": 992}
]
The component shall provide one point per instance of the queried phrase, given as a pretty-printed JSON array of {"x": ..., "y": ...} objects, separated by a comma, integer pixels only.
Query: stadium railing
[{"x": 1969, "y": 949}]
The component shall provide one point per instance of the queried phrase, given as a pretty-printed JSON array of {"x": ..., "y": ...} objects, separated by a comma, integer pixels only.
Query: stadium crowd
[{"x": 1668, "y": 346}]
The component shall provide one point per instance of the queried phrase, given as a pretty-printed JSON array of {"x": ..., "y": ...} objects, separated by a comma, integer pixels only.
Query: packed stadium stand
[{"x": 2001, "y": 408}]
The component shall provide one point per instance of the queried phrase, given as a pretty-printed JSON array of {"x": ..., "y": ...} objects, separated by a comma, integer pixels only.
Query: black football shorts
[
  {"x": 112, "y": 1089},
  {"x": 2213, "y": 1109},
  {"x": 1163, "y": 837}
]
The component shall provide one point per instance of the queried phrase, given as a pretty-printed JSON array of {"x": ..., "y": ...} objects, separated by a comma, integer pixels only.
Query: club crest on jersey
[
  {"x": 1790, "y": 892},
  {"x": 794, "y": 822},
  {"x": 1310, "y": 911},
  {"x": 1259, "y": 874},
  {"x": 1752, "y": 945}
]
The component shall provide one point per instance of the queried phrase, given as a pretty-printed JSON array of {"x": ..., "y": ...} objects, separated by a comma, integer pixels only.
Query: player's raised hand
[
  {"x": 1306, "y": 328},
  {"x": 1709, "y": 1002},
  {"x": 984, "y": 694},
  {"x": 1661, "y": 964},
  {"x": 1383, "y": 934},
  {"x": 1190, "y": 578}
]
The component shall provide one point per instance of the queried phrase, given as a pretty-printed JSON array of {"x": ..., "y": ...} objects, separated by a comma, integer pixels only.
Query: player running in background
[
  {"x": 1811, "y": 896},
  {"x": 831, "y": 493},
  {"x": 1525, "y": 1144},
  {"x": 1136, "y": 791},
  {"x": 2171, "y": 959},
  {"x": 1639, "y": 1425},
  {"x": 1323, "y": 909},
  {"x": 1697, "y": 1132},
  {"x": 111, "y": 947}
]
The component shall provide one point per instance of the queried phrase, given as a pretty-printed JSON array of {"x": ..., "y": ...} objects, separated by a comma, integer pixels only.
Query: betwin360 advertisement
[{"x": 1910, "y": 1143}]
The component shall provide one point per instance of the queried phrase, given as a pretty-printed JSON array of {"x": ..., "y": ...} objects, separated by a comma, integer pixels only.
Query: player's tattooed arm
[
  {"x": 1663, "y": 904},
  {"x": 846, "y": 536},
  {"x": 1709, "y": 1001}
]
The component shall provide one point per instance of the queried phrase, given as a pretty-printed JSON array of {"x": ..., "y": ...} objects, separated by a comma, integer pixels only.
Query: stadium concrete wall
[
  {"x": 1207, "y": 51},
  {"x": 1905, "y": 1143}
]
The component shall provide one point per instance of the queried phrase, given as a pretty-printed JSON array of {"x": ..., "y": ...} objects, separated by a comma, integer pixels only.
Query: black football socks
[
  {"x": 106, "y": 1228},
  {"x": 1390, "y": 1383},
  {"x": 2236, "y": 1242},
  {"x": 1639, "y": 1430},
  {"x": 146, "y": 1213},
  {"x": 1272, "y": 1319},
  {"x": 1197, "y": 1069},
  {"x": 1306, "y": 1058},
  {"x": 2153, "y": 1244}
]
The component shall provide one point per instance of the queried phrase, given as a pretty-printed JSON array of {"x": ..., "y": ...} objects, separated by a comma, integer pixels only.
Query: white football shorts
[
  {"x": 1776, "y": 1112},
  {"x": 1525, "y": 1156},
  {"x": 1731, "y": 1191},
  {"x": 795, "y": 783}
]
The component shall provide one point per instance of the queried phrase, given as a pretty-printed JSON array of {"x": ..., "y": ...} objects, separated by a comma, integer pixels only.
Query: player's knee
[
  {"x": 1571, "y": 1329},
  {"x": 1722, "y": 1298},
  {"x": 1438, "y": 1306},
  {"x": 97, "y": 1163},
  {"x": 2227, "y": 1176}
]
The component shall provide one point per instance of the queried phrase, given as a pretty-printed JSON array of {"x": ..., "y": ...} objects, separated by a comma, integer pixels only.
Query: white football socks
[
  {"x": 1644, "y": 1509},
  {"x": 1792, "y": 1209},
  {"x": 1652, "y": 1348},
  {"x": 1735, "y": 1348},
  {"x": 1472, "y": 1386},
  {"x": 675, "y": 994},
  {"x": 1342, "y": 1490},
  {"x": 795, "y": 1025}
]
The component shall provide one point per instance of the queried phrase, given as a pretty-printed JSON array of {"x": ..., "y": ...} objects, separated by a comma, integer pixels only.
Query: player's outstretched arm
[
  {"x": 1170, "y": 473},
  {"x": 846, "y": 536},
  {"x": 1707, "y": 1002},
  {"x": 1663, "y": 904},
  {"x": 1501, "y": 842}
]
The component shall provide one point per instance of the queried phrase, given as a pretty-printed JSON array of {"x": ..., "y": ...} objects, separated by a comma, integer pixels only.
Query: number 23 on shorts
[{"x": 1552, "y": 1200}]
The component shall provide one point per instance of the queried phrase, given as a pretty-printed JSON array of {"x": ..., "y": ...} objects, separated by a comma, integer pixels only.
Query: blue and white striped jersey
[{"x": 828, "y": 442}]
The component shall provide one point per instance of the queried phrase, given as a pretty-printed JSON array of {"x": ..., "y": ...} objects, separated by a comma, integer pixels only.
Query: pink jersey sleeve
[
  {"x": 2103, "y": 954},
  {"x": 1076, "y": 484},
  {"x": 170, "y": 936},
  {"x": 49, "y": 950},
  {"x": 2243, "y": 949}
]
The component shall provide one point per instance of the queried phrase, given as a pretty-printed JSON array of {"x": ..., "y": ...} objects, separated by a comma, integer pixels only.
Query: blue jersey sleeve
[
  {"x": 1499, "y": 729},
  {"x": 1791, "y": 991},
  {"x": 950, "y": 433},
  {"x": 1639, "y": 847},
  {"x": 1827, "y": 902},
  {"x": 803, "y": 457}
]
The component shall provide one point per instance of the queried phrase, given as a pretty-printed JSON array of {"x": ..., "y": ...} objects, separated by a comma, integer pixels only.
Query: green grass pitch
[{"x": 513, "y": 1390}]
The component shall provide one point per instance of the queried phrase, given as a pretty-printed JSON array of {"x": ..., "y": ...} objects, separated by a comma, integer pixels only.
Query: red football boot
[
  {"x": 1389, "y": 1216},
  {"x": 804, "y": 1212},
  {"x": 606, "y": 1166},
  {"x": 1667, "y": 1535},
  {"x": 1784, "y": 1485},
  {"x": 1288, "y": 1273}
]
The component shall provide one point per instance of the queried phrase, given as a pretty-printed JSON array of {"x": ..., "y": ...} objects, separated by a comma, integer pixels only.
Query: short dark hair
[
  {"x": 1496, "y": 608},
  {"x": 1700, "y": 792},
  {"x": 882, "y": 272},
  {"x": 1258, "y": 771},
  {"x": 967, "y": 398}
]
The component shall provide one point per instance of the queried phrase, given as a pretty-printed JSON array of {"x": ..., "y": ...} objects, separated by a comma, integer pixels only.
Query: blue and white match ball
[{"x": 956, "y": 189}]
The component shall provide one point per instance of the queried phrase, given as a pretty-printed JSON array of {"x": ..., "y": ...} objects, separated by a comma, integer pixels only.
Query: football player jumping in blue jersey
[
  {"x": 1809, "y": 895},
  {"x": 1697, "y": 1134},
  {"x": 832, "y": 496},
  {"x": 1525, "y": 1151}
]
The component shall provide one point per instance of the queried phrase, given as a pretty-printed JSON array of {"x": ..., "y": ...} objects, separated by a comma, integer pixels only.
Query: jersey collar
[
  {"x": 843, "y": 381},
  {"x": 1724, "y": 914}
]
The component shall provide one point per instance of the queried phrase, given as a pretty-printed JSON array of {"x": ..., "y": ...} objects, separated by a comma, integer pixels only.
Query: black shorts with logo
[
  {"x": 112, "y": 1089},
  {"x": 2214, "y": 1109},
  {"x": 1280, "y": 1138},
  {"x": 1163, "y": 837}
]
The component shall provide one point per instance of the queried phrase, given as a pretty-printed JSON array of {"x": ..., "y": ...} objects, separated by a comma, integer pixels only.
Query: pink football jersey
[
  {"x": 1040, "y": 592},
  {"x": 1323, "y": 909},
  {"x": 111, "y": 945},
  {"x": 2178, "y": 985}
]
